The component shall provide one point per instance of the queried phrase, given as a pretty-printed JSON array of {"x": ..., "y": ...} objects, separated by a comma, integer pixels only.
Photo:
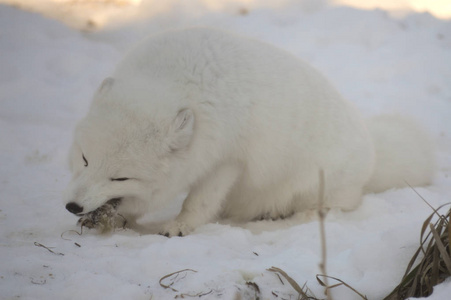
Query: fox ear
[
  {"x": 181, "y": 130},
  {"x": 106, "y": 85}
]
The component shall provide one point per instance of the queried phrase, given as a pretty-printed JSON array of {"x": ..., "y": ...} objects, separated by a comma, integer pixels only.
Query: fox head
[{"x": 125, "y": 148}]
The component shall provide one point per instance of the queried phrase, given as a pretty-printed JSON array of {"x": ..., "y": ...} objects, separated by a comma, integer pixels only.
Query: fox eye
[
  {"x": 120, "y": 179},
  {"x": 85, "y": 160}
]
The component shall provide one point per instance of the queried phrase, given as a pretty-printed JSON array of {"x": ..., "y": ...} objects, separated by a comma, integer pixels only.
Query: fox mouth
[
  {"x": 112, "y": 203},
  {"x": 104, "y": 217}
]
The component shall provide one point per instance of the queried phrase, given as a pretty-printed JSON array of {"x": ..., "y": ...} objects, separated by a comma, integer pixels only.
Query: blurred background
[{"x": 95, "y": 14}]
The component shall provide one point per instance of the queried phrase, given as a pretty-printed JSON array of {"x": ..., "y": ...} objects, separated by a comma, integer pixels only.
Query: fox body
[{"x": 241, "y": 126}]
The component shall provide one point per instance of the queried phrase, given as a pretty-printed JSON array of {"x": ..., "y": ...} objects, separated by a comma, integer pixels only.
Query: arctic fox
[{"x": 241, "y": 126}]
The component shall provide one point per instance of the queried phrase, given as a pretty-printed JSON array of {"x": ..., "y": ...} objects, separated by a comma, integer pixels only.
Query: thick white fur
[{"x": 242, "y": 126}]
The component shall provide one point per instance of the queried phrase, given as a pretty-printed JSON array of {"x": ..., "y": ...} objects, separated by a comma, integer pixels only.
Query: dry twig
[
  {"x": 41, "y": 245},
  {"x": 303, "y": 292},
  {"x": 169, "y": 286},
  {"x": 341, "y": 282},
  {"x": 322, "y": 231}
]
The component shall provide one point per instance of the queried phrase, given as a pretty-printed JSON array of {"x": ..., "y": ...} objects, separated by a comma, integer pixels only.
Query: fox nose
[{"x": 74, "y": 207}]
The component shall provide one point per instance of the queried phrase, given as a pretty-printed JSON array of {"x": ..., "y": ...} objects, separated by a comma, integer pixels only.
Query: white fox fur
[{"x": 242, "y": 126}]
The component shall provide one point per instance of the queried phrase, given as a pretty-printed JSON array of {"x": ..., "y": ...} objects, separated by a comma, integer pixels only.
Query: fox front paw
[{"x": 176, "y": 228}]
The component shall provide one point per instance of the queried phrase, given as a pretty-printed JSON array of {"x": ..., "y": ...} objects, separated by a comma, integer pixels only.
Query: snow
[{"x": 48, "y": 74}]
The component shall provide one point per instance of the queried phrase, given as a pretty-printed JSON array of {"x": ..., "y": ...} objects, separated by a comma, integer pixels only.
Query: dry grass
[
  {"x": 304, "y": 292},
  {"x": 435, "y": 265}
]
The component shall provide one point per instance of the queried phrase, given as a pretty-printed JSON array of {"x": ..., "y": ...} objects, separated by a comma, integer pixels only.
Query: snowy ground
[{"x": 48, "y": 73}]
